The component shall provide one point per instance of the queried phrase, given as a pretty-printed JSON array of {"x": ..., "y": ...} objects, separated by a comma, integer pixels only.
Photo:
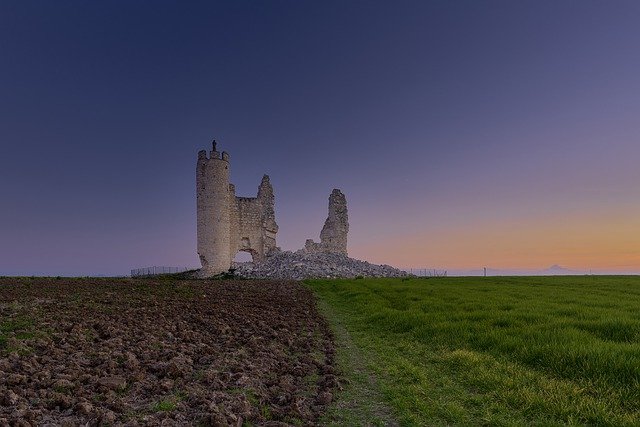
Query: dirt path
[
  {"x": 359, "y": 402},
  {"x": 145, "y": 352}
]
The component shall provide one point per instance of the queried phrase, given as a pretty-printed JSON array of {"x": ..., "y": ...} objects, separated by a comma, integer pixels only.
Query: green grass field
[{"x": 491, "y": 351}]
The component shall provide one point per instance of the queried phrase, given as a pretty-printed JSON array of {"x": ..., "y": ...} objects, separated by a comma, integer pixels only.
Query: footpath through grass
[{"x": 499, "y": 351}]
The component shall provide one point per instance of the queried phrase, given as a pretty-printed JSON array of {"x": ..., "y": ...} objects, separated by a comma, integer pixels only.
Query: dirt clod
[
  {"x": 113, "y": 383},
  {"x": 10, "y": 398}
]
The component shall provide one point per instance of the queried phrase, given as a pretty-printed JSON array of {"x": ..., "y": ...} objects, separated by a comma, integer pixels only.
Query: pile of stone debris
[{"x": 304, "y": 265}]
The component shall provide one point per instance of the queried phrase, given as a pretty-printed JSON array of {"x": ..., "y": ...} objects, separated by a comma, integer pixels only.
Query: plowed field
[{"x": 150, "y": 352}]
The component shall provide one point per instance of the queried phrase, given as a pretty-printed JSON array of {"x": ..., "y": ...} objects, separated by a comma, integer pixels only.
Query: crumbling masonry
[
  {"x": 333, "y": 237},
  {"x": 228, "y": 224}
]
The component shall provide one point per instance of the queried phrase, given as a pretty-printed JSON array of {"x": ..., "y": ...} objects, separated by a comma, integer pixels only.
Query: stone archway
[{"x": 245, "y": 255}]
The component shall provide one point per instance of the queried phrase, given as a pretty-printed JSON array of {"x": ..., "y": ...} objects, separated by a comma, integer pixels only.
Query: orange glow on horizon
[{"x": 606, "y": 242}]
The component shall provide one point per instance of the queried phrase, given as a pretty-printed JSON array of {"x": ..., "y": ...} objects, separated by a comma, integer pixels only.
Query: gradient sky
[{"x": 463, "y": 133}]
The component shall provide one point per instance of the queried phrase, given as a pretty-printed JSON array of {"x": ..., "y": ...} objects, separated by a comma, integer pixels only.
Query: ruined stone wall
[
  {"x": 333, "y": 237},
  {"x": 269, "y": 226},
  {"x": 249, "y": 227},
  {"x": 227, "y": 223}
]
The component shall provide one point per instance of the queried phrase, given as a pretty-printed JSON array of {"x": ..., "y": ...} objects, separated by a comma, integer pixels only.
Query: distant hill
[{"x": 556, "y": 270}]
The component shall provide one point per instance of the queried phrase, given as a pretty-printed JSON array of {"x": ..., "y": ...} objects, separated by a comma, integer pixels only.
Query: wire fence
[
  {"x": 427, "y": 272},
  {"x": 152, "y": 271}
]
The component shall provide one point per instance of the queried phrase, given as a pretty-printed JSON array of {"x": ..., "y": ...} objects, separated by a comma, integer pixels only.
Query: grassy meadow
[{"x": 490, "y": 351}]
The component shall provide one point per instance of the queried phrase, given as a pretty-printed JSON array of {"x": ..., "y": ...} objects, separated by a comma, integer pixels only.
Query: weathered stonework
[
  {"x": 333, "y": 237},
  {"x": 228, "y": 224}
]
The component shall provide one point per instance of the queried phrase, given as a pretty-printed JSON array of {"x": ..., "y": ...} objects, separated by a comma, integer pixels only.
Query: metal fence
[
  {"x": 427, "y": 272},
  {"x": 152, "y": 271}
]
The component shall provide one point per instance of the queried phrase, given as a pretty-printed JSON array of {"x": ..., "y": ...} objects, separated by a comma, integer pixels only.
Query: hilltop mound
[{"x": 304, "y": 265}]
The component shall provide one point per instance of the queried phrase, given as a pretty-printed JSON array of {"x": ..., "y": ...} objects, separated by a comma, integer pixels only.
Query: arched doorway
[{"x": 245, "y": 255}]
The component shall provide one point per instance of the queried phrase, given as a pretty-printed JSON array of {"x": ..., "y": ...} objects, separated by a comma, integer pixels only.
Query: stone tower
[
  {"x": 228, "y": 224},
  {"x": 333, "y": 237}
]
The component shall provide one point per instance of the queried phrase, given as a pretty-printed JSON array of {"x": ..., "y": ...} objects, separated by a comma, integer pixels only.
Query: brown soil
[{"x": 151, "y": 352}]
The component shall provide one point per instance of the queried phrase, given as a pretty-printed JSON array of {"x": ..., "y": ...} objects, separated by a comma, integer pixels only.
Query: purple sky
[{"x": 463, "y": 134}]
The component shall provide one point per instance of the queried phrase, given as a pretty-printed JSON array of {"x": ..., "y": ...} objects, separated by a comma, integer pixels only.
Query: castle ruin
[
  {"x": 228, "y": 224},
  {"x": 333, "y": 237}
]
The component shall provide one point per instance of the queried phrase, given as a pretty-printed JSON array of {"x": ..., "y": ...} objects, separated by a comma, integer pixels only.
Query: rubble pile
[{"x": 304, "y": 265}]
